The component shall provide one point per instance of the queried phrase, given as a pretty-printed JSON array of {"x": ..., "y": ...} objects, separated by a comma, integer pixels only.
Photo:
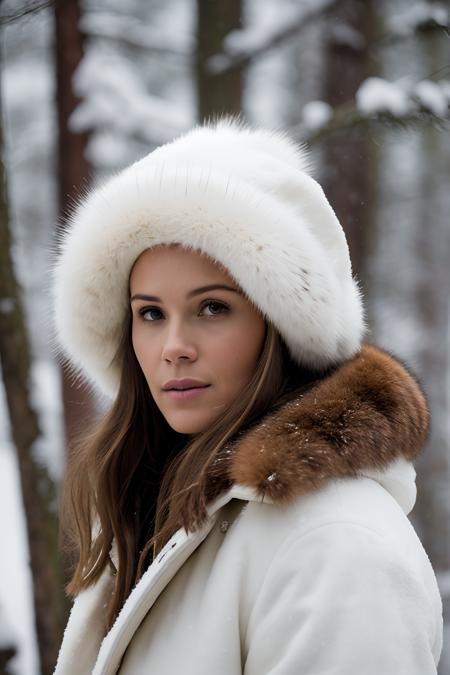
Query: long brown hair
[{"x": 134, "y": 480}]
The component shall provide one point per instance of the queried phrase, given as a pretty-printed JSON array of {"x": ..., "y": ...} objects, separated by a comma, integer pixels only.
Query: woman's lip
[{"x": 182, "y": 394}]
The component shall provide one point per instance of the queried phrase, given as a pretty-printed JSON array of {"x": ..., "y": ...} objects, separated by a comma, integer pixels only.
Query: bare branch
[
  {"x": 31, "y": 8},
  {"x": 132, "y": 33},
  {"x": 420, "y": 30},
  {"x": 349, "y": 118},
  {"x": 231, "y": 59}
]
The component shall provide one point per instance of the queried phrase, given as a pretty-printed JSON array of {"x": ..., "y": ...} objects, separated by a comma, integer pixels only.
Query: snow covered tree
[{"x": 38, "y": 490}]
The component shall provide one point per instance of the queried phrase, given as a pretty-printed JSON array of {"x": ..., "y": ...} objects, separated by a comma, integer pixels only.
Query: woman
[{"x": 242, "y": 508}]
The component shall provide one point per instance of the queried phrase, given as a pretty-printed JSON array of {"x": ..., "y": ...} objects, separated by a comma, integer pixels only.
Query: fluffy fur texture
[
  {"x": 243, "y": 197},
  {"x": 369, "y": 412}
]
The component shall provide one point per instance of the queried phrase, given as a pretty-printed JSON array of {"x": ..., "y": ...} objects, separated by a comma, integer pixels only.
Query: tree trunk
[
  {"x": 6, "y": 654},
  {"x": 349, "y": 158},
  {"x": 38, "y": 491},
  {"x": 431, "y": 515},
  {"x": 73, "y": 175},
  {"x": 216, "y": 94}
]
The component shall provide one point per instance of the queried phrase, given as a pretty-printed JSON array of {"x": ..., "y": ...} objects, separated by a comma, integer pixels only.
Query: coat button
[{"x": 224, "y": 525}]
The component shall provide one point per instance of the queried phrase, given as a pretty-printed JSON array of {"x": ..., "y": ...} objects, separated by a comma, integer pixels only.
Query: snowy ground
[{"x": 15, "y": 589}]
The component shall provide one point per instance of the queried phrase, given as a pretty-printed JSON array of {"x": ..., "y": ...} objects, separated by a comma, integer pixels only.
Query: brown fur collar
[{"x": 367, "y": 413}]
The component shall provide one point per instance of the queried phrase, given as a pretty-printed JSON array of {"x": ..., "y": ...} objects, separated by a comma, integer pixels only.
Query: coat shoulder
[
  {"x": 358, "y": 500},
  {"x": 344, "y": 533},
  {"x": 359, "y": 503}
]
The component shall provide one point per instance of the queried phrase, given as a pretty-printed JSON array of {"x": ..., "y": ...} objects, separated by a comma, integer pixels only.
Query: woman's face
[{"x": 183, "y": 330}]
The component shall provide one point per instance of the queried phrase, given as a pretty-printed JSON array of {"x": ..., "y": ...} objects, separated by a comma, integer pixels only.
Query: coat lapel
[
  {"x": 169, "y": 560},
  {"x": 84, "y": 631}
]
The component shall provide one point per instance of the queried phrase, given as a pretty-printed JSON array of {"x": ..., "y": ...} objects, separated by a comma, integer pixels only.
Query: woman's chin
[{"x": 185, "y": 424}]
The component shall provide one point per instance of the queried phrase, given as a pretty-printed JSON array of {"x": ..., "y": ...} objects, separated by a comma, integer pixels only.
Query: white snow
[
  {"x": 417, "y": 14},
  {"x": 378, "y": 95},
  {"x": 37, "y": 134},
  {"x": 403, "y": 96},
  {"x": 246, "y": 40},
  {"x": 109, "y": 25},
  {"x": 445, "y": 88},
  {"x": 116, "y": 96},
  {"x": 15, "y": 589},
  {"x": 109, "y": 150},
  {"x": 316, "y": 114},
  {"x": 269, "y": 86},
  {"x": 259, "y": 35},
  {"x": 115, "y": 100},
  {"x": 256, "y": 36},
  {"x": 432, "y": 96},
  {"x": 8, "y": 638},
  {"x": 45, "y": 397}
]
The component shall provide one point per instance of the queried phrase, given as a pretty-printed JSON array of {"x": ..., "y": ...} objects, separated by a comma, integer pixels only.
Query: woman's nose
[{"x": 178, "y": 344}]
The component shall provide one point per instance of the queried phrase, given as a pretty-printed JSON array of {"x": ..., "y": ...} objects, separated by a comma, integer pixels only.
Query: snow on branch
[
  {"x": 420, "y": 17},
  {"x": 377, "y": 101},
  {"x": 403, "y": 97},
  {"x": 113, "y": 95},
  {"x": 133, "y": 33},
  {"x": 242, "y": 46},
  {"x": 114, "y": 100}
]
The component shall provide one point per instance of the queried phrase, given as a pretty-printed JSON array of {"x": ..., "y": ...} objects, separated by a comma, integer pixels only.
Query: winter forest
[{"x": 87, "y": 87}]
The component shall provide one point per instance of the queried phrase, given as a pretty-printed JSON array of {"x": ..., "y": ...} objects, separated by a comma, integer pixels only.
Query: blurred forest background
[{"x": 87, "y": 86}]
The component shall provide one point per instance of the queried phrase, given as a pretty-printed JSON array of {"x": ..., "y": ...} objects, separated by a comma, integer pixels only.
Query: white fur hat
[{"x": 238, "y": 194}]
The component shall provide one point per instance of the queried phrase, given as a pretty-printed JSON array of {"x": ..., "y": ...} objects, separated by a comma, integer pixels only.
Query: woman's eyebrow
[{"x": 195, "y": 291}]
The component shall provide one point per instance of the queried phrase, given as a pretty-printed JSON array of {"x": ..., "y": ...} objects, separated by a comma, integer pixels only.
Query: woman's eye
[
  {"x": 147, "y": 313},
  {"x": 214, "y": 306}
]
